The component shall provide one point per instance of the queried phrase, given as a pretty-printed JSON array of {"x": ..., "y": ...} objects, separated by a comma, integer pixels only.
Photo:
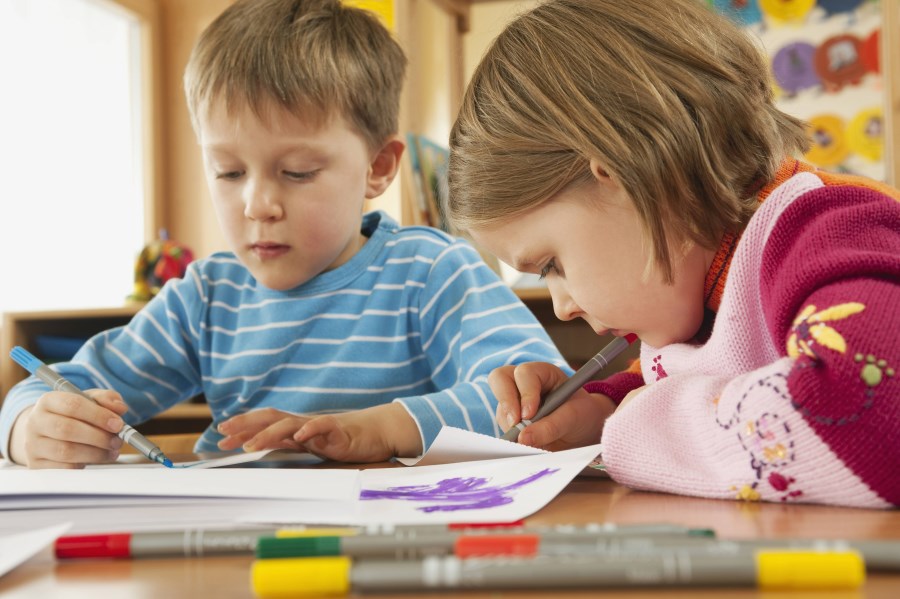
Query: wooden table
[{"x": 585, "y": 500}]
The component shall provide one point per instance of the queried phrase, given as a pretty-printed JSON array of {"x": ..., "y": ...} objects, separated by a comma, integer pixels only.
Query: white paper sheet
[
  {"x": 125, "y": 498},
  {"x": 324, "y": 484},
  {"x": 230, "y": 459},
  {"x": 501, "y": 490},
  {"x": 453, "y": 445},
  {"x": 16, "y": 548}
]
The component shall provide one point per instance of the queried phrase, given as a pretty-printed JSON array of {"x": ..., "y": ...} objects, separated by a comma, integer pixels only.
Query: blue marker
[{"x": 58, "y": 383}]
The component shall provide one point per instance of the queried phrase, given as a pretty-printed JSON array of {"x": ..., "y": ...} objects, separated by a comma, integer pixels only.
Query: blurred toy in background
[{"x": 160, "y": 260}]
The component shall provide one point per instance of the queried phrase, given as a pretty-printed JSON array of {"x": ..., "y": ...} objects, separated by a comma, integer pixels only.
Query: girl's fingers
[
  {"x": 534, "y": 380},
  {"x": 503, "y": 385}
]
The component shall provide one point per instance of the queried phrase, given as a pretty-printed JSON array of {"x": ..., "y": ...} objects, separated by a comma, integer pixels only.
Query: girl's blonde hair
[
  {"x": 314, "y": 58},
  {"x": 672, "y": 98}
]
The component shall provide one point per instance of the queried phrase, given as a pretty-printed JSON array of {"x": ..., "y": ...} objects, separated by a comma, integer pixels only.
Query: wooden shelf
[
  {"x": 531, "y": 294},
  {"x": 21, "y": 328}
]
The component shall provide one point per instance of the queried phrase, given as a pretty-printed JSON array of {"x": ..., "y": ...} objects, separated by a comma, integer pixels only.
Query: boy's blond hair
[
  {"x": 314, "y": 58},
  {"x": 672, "y": 98}
]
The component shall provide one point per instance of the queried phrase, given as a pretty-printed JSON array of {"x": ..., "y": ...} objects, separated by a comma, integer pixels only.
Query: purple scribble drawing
[{"x": 455, "y": 494}]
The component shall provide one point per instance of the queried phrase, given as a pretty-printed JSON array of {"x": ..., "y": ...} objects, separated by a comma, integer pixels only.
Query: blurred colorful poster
[{"x": 382, "y": 8}]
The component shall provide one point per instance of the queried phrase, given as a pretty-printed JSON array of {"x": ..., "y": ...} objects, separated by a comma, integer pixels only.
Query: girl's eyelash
[
  {"x": 547, "y": 268},
  {"x": 228, "y": 175}
]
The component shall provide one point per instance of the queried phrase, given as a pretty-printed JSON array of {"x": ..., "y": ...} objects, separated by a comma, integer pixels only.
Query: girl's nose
[{"x": 564, "y": 306}]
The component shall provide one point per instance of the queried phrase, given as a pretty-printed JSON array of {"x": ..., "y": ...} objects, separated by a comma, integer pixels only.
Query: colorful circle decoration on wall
[
  {"x": 787, "y": 10},
  {"x": 829, "y": 145},
  {"x": 865, "y": 134},
  {"x": 838, "y": 63},
  {"x": 868, "y": 52},
  {"x": 793, "y": 67},
  {"x": 742, "y": 12},
  {"x": 833, "y": 7}
]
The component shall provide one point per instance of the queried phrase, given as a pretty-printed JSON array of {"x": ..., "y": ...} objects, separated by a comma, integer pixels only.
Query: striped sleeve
[
  {"x": 151, "y": 361},
  {"x": 471, "y": 323}
]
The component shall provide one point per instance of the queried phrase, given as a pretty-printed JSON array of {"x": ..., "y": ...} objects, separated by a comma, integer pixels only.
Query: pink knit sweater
[{"x": 795, "y": 395}]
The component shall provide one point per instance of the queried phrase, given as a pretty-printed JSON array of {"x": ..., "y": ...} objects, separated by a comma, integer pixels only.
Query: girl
[{"x": 631, "y": 154}]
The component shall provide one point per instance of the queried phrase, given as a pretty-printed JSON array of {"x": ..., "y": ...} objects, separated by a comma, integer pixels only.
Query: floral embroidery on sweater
[
  {"x": 658, "y": 368},
  {"x": 874, "y": 371},
  {"x": 809, "y": 329},
  {"x": 767, "y": 439}
]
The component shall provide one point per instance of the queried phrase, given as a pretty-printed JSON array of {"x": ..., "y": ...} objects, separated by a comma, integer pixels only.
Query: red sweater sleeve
[
  {"x": 830, "y": 290},
  {"x": 618, "y": 385}
]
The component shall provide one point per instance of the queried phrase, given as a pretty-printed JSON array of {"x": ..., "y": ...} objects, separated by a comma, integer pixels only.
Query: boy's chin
[{"x": 279, "y": 283}]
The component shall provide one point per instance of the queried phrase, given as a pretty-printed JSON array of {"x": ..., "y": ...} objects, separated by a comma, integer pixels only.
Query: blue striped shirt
[{"x": 415, "y": 317}]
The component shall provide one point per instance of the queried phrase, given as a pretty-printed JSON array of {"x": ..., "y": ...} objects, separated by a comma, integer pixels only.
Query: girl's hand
[
  {"x": 371, "y": 435},
  {"x": 519, "y": 389},
  {"x": 65, "y": 430}
]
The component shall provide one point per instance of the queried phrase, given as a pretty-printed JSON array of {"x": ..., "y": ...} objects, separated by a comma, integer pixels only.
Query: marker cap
[
  {"x": 272, "y": 547},
  {"x": 87, "y": 546},
  {"x": 507, "y": 545},
  {"x": 312, "y": 576},
  {"x": 810, "y": 569}
]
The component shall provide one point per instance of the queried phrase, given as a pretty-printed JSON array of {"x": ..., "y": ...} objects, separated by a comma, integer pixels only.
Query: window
[{"x": 74, "y": 193}]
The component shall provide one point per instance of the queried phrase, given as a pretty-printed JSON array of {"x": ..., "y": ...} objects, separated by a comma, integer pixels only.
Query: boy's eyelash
[
  {"x": 301, "y": 176},
  {"x": 547, "y": 268},
  {"x": 229, "y": 175}
]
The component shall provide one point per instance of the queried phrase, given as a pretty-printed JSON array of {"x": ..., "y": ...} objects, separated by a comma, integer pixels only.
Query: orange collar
[{"x": 718, "y": 270}]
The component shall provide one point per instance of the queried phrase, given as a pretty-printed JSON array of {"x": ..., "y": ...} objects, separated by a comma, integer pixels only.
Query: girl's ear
[
  {"x": 384, "y": 166},
  {"x": 599, "y": 171}
]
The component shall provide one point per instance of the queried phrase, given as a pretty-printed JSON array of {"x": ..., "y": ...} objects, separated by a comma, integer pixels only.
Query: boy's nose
[{"x": 261, "y": 202}]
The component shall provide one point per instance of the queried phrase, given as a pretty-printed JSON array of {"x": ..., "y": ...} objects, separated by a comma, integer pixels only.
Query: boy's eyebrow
[{"x": 285, "y": 148}]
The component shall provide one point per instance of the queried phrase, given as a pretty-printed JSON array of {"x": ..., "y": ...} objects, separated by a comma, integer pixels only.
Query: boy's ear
[
  {"x": 598, "y": 170},
  {"x": 384, "y": 166}
]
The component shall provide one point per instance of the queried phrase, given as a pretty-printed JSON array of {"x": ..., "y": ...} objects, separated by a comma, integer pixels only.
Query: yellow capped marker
[
  {"x": 300, "y": 577},
  {"x": 809, "y": 570}
]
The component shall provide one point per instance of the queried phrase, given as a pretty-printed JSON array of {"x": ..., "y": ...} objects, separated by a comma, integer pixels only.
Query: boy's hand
[
  {"x": 519, "y": 389},
  {"x": 65, "y": 430},
  {"x": 371, "y": 435}
]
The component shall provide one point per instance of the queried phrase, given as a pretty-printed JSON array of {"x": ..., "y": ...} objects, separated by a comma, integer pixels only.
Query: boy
[{"x": 324, "y": 328}]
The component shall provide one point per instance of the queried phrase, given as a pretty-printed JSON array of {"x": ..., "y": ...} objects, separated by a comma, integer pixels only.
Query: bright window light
[{"x": 72, "y": 193}]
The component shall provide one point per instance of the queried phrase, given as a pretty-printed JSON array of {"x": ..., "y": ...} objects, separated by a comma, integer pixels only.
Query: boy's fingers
[
  {"x": 70, "y": 430},
  {"x": 273, "y": 436},
  {"x": 315, "y": 427},
  {"x": 110, "y": 400},
  {"x": 76, "y": 407},
  {"x": 255, "y": 420},
  {"x": 234, "y": 441},
  {"x": 325, "y": 439},
  {"x": 53, "y": 453}
]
